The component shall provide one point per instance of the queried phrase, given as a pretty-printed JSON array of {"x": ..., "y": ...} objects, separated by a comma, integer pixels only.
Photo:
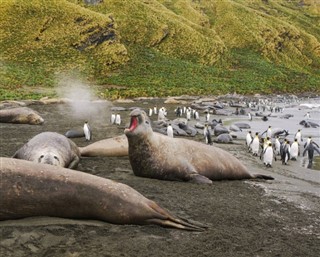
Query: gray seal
[
  {"x": 50, "y": 148},
  {"x": 157, "y": 156},
  {"x": 21, "y": 115},
  {"x": 30, "y": 189}
]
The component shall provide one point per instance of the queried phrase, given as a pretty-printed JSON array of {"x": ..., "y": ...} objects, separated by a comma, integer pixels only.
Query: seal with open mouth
[{"x": 158, "y": 156}]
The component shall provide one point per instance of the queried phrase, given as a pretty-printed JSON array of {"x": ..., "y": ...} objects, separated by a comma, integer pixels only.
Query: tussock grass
[{"x": 248, "y": 73}]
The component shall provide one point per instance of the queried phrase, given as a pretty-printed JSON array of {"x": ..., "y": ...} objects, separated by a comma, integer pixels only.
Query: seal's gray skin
[
  {"x": 157, "y": 156},
  {"x": 74, "y": 133},
  {"x": 220, "y": 129},
  {"x": 50, "y": 148},
  {"x": 278, "y": 132},
  {"x": 20, "y": 115},
  {"x": 30, "y": 189},
  {"x": 242, "y": 125},
  {"x": 110, "y": 147},
  {"x": 225, "y": 138}
]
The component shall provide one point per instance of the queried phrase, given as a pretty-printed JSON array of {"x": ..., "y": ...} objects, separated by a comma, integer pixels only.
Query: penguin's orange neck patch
[{"x": 133, "y": 123}]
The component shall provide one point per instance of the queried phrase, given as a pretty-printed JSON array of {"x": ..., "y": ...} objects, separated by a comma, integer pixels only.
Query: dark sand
[{"x": 245, "y": 218}]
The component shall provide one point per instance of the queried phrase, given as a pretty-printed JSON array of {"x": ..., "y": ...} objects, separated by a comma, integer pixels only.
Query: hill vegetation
[{"x": 134, "y": 48}]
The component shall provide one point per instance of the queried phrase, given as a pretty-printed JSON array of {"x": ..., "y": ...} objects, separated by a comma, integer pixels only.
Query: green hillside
[{"x": 134, "y": 48}]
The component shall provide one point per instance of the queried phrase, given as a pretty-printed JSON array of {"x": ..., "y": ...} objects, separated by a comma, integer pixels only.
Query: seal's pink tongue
[{"x": 133, "y": 123}]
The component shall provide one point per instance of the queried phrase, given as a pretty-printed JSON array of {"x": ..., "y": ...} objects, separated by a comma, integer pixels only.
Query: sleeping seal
[
  {"x": 21, "y": 115},
  {"x": 155, "y": 155},
  {"x": 30, "y": 189},
  {"x": 110, "y": 147},
  {"x": 50, "y": 148}
]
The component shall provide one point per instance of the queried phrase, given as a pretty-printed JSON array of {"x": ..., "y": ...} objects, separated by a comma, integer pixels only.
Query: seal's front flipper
[
  {"x": 260, "y": 176},
  {"x": 193, "y": 176},
  {"x": 74, "y": 162},
  {"x": 199, "y": 179}
]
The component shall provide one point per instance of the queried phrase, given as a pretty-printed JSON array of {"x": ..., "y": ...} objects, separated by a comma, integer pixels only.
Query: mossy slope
[{"x": 164, "y": 46}]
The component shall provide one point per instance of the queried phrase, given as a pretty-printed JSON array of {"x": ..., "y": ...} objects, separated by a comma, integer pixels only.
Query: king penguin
[
  {"x": 87, "y": 131},
  {"x": 298, "y": 136},
  {"x": 188, "y": 114},
  {"x": 112, "y": 118},
  {"x": 255, "y": 143},
  {"x": 248, "y": 140},
  {"x": 118, "y": 119},
  {"x": 207, "y": 134},
  {"x": 310, "y": 148},
  {"x": 294, "y": 150},
  {"x": 277, "y": 145},
  {"x": 268, "y": 132},
  {"x": 169, "y": 130},
  {"x": 285, "y": 151},
  {"x": 268, "y": 155},
  {"x": 266, "y": 142}
]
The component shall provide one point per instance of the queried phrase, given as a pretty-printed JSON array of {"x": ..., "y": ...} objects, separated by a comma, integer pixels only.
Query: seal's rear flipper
[
  {"x": 260, "y": 176},
  {"x": 177, "y": 223},
  {"x": 199, "y": 179},
  {"x": 164, "y": 218}
]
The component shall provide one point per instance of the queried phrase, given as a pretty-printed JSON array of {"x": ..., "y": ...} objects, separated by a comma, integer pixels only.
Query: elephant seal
[
  {"x": 157, "y": 156},
  {"x": 72, "y": 133},
  {"x": 21, "y": 115},
  {"x": 30, "y": 189},
  {"x": 242, "y": 125},
  {"x": 224, "y": 138},
  {"x": 50, "y": 148},
  {"x": 110, "y": 147},
  {"x": 220, "y": 129}
]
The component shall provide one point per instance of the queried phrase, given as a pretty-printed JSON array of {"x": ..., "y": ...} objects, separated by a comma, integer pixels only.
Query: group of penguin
[
  {"x": 114, "y": 119},
  {"x": 266, "y": 147},
  {"x": 269, "y": 151}
]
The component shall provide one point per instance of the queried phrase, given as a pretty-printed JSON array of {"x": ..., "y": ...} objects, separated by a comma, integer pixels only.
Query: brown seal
[
  {"x": 50, "y": 148},
  {"x": 110, "y": 147},
  {"x": 158, "y": 156},
  {"x": 30, "y": 189},
  {"x": 21, "y": 115}
]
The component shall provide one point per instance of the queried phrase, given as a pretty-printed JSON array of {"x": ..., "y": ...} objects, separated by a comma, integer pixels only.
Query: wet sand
[{"x": 245, "y": 218}]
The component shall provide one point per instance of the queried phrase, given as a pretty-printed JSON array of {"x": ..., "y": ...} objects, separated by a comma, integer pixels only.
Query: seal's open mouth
[{"x": 133, "y": 123}]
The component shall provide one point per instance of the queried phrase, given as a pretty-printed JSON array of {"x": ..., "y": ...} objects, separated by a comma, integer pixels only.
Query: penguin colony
[{"x": 269, "y": 146}]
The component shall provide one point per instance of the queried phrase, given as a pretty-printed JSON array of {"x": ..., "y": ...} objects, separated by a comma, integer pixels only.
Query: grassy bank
[{"x": 133, "y": 48}]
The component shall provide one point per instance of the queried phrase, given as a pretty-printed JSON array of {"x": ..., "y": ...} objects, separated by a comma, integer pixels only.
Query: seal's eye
[
  {"x": 40, "y": 158},
  {"x": 56, "y": 158}
]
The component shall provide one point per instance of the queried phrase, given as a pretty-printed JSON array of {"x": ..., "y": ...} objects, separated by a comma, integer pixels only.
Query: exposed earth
[{"x": 244, "y": 218}]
